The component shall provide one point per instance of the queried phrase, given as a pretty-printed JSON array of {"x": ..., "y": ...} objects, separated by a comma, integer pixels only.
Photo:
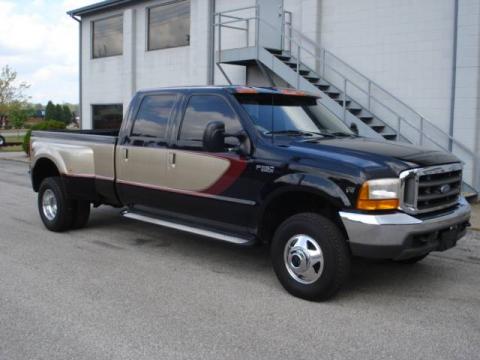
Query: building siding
[{"x": 404, "y": 46}]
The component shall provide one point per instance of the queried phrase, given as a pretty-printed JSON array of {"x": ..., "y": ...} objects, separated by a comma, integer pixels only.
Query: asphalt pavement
[{"x": 120, "y": 289}]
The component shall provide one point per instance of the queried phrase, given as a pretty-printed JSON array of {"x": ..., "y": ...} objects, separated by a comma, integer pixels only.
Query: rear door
[
  {"x": 142, "y": 151},
  {"x": 207, "y": 184}
]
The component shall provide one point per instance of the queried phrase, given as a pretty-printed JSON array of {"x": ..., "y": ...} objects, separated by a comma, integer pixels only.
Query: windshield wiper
[{"x": 298, "y": 133}]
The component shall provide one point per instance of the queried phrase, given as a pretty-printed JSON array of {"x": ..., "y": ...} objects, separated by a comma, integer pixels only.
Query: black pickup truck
[{"x": 252, "y": 165}]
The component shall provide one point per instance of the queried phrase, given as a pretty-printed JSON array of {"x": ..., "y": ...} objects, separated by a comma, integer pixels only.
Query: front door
[
  {"x": 208, "y": 185},
  {"x": 271, "y": 23},
  {"x": 141, "y": 156}
]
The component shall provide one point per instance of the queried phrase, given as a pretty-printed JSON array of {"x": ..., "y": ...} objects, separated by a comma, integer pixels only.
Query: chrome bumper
[{"x": 400, "y": 235}]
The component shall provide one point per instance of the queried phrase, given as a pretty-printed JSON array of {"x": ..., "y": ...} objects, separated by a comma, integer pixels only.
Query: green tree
[
  {"x": 18, "y": 113},
  {"x": 58, "y": 113},
  {"x": 67, "y": 114},
  {"x": 10, "y": 91},
  {"x": 50, "y": 111}
]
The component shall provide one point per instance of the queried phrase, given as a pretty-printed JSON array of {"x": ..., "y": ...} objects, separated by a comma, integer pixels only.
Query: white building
[{"x": 395, "y": 59}]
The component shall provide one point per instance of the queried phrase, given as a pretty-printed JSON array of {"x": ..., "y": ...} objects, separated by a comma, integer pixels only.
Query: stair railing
[
  {"x": 382, "y": 107},
  {"x": 408, "y": 123}
]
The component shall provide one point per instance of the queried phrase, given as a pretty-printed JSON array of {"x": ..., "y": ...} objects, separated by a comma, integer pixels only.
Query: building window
[
  {"x": 152, "y": 118},
  {"x": 169, "y": 25},
  {"x": 107, "y": 116},
  {"x": 107, "y": 39}
]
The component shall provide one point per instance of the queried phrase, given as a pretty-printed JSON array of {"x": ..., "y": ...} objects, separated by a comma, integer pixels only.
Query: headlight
[{"x": 379, "y": 194}]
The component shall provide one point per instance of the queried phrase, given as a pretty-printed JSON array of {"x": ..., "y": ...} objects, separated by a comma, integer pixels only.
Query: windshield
[{"x": 291, "y": 115}]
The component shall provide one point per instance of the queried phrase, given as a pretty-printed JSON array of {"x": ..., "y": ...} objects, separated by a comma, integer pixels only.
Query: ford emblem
[{"x": 445, "y": 188}]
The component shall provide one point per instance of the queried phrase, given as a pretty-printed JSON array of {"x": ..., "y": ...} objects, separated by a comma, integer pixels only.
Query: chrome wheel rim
[
  {"x": 303, "y": 259},
  {"x": 1, "y": 141},
  {"x": 49, "y": 204}
]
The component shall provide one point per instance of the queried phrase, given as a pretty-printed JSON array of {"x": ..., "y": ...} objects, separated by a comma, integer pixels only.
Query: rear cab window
[{"x": 151, "y": 121}]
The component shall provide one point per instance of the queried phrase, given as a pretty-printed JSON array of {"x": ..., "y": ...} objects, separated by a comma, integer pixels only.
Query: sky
[{"x": 40, "y": 42}]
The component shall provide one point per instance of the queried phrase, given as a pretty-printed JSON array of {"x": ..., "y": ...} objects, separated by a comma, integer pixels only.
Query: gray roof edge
[{"x": 104, "y": 5}]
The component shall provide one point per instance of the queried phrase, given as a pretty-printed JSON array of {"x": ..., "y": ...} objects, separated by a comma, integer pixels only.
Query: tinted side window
[
  {"x": 200, "y": 111},
  {"x": 152, "y": 118}
]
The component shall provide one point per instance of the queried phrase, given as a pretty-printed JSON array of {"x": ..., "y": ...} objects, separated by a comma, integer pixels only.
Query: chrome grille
[{"x": 431, "y": 188}]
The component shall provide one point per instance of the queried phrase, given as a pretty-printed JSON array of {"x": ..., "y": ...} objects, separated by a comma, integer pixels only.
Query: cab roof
[{"x": 238, "y": 89}]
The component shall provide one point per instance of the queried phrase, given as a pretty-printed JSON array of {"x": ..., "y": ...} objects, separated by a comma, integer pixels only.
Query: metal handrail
[
  {"x": 372, "y": 82},
  {"x": 289, "y": 35}
]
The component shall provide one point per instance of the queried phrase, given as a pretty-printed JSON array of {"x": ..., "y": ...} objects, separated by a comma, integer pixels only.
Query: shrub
[{"x": 44, "y": 125}]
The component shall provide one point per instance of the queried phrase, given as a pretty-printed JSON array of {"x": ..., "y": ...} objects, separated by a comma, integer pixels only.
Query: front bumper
[{"x": 401, "y": 236}]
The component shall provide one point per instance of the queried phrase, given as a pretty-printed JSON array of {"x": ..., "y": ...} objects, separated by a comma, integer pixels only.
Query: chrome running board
[{"x": 187, "y": 228}]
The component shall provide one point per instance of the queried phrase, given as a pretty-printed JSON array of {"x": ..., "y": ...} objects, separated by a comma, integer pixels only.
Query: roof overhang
[{"x": 101, "y": 6}]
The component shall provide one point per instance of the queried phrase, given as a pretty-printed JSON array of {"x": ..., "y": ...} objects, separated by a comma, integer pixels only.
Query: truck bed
[
  {"x": 100, "y": 136},
  {"x": 85, "y": 159}
]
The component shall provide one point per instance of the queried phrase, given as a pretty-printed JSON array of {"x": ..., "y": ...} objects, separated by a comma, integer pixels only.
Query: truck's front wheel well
[
  {"x": 291, "y": 203},
  {"x": 43, "y": 169}
]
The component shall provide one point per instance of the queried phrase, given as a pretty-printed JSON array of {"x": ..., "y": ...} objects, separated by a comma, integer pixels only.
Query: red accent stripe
[
  {"x": 236, "y": 168},
  {"x": 88, "y": 176}
]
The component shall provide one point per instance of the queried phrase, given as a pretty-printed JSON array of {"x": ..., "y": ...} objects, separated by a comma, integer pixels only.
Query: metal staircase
[
  {"x": 344, "y": 91},
  {"x": 339, "y": 96}
]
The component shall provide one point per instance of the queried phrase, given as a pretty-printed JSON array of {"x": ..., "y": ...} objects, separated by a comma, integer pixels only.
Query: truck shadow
[{"x": 368, "y": 278}]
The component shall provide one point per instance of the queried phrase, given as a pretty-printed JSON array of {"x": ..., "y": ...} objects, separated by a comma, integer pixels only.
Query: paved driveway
[{"x": 124, "y": 290}]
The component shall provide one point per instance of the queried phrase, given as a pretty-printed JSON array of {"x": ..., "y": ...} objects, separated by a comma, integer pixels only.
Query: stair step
[
  {"x": 340, "y": 101},
  {"x": 332, "y": 93},
  {"x": 274, "y": 51},
  {"x": 322, "y": 82},
  {"x": 303, "y": 69},
  {"x": 283, "y": 57},
  {"x": 378, "y": 128},
  {"x": 312, "y": 78},
  {"x": 366, "y": 119},
  {"x": 389, "y": 136},
  {"x": 355, "y": 110}
]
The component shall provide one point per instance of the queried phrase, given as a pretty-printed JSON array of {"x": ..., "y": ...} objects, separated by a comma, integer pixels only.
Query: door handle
[
  {"x": 125, "y": 154},
  {"x": 172, "y": 159}
]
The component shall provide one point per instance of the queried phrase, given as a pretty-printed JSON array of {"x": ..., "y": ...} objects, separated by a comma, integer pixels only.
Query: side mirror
[{"x": 214, "y": 137}]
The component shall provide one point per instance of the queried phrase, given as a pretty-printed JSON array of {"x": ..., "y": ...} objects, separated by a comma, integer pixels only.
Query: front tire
[
  {"x": 310, "y": 256},
  {"x": 2, "y": 141},
  {"x": 56, "y": 210}
]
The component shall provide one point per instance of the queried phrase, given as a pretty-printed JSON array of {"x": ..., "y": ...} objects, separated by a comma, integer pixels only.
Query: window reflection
[
  {"x": 108, "y": 37},
  {"x": 169, "y": 25},
  {"x": 203, "y": 109},
  {"x": 152, "y": 118}
]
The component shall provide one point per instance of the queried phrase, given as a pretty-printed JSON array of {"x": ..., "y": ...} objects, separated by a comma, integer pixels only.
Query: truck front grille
[{"x": 431, "y": 188}]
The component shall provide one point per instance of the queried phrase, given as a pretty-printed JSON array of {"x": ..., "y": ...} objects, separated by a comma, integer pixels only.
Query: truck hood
[{"x": 369, "y": 152}]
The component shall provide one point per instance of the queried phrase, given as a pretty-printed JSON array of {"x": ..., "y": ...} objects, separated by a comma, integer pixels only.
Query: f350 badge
[{"x": 265, "y": 168}]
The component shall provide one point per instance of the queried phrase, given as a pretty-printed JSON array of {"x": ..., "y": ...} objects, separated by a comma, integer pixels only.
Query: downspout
[
  {"x": 454, "y": 76},
  {"x": 80, "y": 102},
  {"x": 211, "y": 43}
]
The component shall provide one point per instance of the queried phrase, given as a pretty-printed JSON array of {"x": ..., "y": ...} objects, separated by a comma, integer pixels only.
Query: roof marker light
[
  {"x": 292, "y": 92},
  {"x": 245, "y": 90}
]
